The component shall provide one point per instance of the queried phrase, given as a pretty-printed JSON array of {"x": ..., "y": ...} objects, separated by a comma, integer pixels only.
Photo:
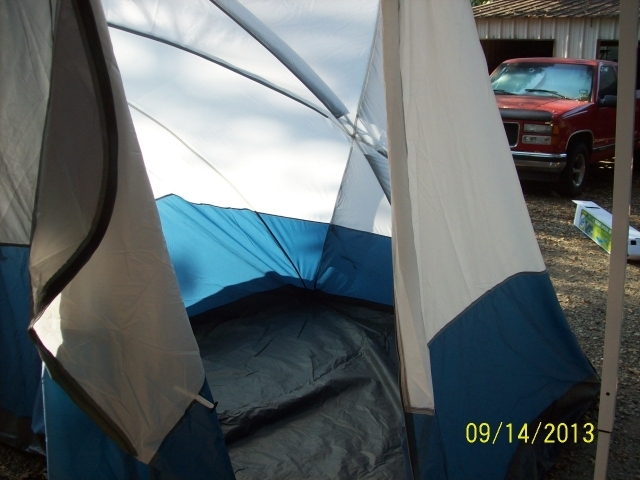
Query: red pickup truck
[{"x": 559, "y": 116}]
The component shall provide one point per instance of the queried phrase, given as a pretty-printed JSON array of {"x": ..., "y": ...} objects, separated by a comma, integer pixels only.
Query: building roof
[{"x": 548, "y": 8}]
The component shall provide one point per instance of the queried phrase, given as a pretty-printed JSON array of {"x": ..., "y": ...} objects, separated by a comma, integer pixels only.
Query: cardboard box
[{"x": 595, "y": 223}]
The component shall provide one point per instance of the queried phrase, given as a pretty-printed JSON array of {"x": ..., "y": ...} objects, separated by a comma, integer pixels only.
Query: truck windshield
[{"x": 559, "y": 80}]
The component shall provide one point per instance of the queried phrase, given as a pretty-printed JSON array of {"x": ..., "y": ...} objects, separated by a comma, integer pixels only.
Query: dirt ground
[
  {"x": 15, "y": 465},
  {"x": 579, "y": 271}
]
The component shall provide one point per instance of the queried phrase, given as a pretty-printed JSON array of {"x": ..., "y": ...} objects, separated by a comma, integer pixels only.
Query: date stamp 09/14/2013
[{"x": 546, "y": 433}]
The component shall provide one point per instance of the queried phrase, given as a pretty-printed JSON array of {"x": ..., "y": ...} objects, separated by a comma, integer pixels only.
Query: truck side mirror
[{"x": 608, "y": 101}]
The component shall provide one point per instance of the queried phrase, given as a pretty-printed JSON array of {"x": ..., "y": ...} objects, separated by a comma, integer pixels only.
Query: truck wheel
[{"x": 574, "y": 176}]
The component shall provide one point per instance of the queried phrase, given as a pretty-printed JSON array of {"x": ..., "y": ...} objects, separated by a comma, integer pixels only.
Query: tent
[{"x": 198, "y": 206}]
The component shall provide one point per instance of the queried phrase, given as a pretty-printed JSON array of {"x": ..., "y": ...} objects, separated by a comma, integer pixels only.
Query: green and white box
[{"x": 595, "y": 223}]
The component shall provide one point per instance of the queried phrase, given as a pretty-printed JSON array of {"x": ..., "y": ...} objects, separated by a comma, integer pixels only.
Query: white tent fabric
[
  {"x": 139, "y": 349},
  {"x": 372, "y": 113},
  {"x": 285, "y": 54},
  {"x": 207, "y": 31},
  {"x": 361, "y": 203},
  {"x": 243, "y": 141},
  {"x": 241, "y": 131},
  {"x": 20, "y": 142},
  {"x": 339, "y": 57},
  {"x": 421, "y": 147}
]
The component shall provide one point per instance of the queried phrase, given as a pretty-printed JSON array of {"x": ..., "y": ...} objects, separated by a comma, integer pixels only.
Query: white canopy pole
[{"x": 625, "y": 115}]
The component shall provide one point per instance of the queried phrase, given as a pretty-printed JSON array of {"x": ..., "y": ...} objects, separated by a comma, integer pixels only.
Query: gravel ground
[
  {"x": 579, "y": 271},
  {"x": 16, "y": 465}
]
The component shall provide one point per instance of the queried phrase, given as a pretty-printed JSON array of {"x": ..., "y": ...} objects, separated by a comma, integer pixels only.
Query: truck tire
[{"x": 574, "y": 176}]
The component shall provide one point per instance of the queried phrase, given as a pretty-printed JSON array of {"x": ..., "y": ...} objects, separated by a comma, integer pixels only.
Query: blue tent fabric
[
  {"x": 222, "y": 254},
  {"x": 248, "y": 253},
  {"x": 37, "y": 417},
  {"x": 481, "y": 343},
  {"x": 180, "y": 457},
  {"x": 16, "y": 349},
  {"x": 301, "y": 241},
  {"x": 78, "y": 449},
  {"x": 425, "y": 452},
  {"x": 505, "y": 359},
  {"x": 216, "y": 250},
  {"x": 20, "y": 364},
  {"x": 357, "y": 264}
]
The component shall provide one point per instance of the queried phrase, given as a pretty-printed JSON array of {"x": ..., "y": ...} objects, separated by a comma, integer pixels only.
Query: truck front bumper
[
  {"x": 543, "y": 162},
  {"x": 539, "y": 166}
]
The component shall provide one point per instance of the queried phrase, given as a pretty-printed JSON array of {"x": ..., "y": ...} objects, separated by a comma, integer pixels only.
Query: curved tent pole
[
  {"x": 284, "y": 53},
  {"x": 222, "y": 63},
  {"x": 620, "y": 230},
  {"x": 190, "y": 148}
]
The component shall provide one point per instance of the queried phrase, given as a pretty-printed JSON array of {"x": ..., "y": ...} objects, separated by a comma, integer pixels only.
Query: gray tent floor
[{"x": 307, "y": 386}]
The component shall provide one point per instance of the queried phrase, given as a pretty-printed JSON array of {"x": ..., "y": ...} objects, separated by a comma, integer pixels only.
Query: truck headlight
[
  {"x": 537, "y": 139},
  {"x": 537, "y": 128}
]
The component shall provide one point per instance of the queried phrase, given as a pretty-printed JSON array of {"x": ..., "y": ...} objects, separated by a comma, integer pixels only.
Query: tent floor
[{"x": 306, "y": 385}]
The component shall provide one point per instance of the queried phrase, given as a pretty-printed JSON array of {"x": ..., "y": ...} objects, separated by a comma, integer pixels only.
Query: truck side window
[{"x": 608, "y": 81}]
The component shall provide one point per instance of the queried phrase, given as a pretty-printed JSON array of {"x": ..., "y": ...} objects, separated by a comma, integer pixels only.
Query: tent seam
[
  {"x": 482, "y": 297},
  {"x": 275, "y": 239},
  {"x": 333, "y": 214}
]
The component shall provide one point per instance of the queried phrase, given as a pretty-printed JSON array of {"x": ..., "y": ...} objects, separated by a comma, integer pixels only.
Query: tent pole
[{"x": 627, "y": 59}]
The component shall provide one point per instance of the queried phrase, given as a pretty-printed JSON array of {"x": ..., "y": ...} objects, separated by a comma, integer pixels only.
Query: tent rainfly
[{"x": 268, "y": 239}]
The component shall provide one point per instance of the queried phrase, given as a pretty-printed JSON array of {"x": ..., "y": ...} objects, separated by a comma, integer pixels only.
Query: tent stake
[{"x": 625, "y": 116}]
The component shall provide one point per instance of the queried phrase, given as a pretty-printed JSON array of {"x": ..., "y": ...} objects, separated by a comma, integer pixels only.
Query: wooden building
[{"x": 546, "y": 28}]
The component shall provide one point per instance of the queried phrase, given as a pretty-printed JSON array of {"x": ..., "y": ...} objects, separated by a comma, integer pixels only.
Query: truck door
[{"x": 605, "y": 130}]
